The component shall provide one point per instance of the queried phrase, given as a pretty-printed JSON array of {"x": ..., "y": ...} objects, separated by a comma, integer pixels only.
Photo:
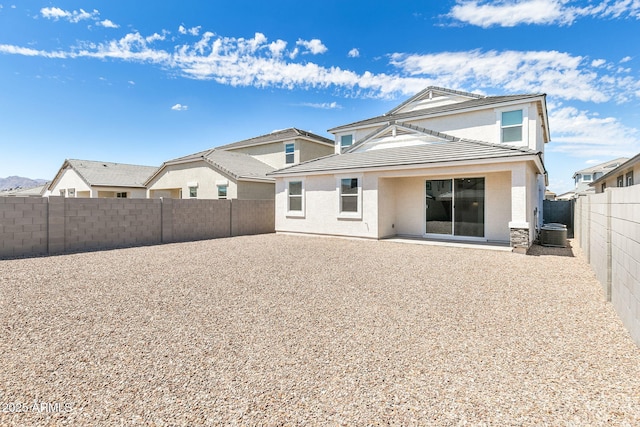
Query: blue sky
[{"x": 133, "y": 83}]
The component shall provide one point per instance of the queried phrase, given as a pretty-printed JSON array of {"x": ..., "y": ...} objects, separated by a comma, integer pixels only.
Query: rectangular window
[
  {"x": 289, "y": 151},
  {"x": 62, "y": 192},
  {"x": 630, "y": 179},
  {"x": 222, "y": 192},
  {"x": 603, "y": 186},
  {"x": 620, "y": 181},
  {"x": 349, "y": 195},
  {"x": 121, "y": 195},
  {"x": 295, "y": 196},
  {"x": 511, "y": 125},
  {"x": 587, "y": 178},
  {"x": 193, "y": 192},
  {"x": 72, "y": 192},
  {"x": 346, "y": 140}
]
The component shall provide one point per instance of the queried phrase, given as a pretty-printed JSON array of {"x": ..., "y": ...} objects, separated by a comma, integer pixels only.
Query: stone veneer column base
[{"x": 519, "y": 238}]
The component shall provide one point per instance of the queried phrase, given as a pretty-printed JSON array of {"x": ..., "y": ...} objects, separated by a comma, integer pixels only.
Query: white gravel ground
[{"x": 290, "y": 330}]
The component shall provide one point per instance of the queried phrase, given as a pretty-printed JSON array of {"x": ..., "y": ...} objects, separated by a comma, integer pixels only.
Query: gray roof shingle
[
  {"x": 112, "y": 174},
  {"x": 276, "y": 136},
  {"x": 454, "y": 150}
]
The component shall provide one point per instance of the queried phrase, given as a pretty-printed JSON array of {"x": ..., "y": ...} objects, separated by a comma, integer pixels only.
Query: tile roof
[
  {"x": 448, "y": 108},
  {"x": 111, "y": 174},
  {"x": 275, "y": 137},
  {"x": 603, "y": 167},
  {"x": 236, "y": 165},
  {"x": 450, "y": 150}
]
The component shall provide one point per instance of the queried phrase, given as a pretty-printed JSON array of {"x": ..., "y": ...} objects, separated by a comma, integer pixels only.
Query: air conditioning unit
[{"x": 554, "y": 235}]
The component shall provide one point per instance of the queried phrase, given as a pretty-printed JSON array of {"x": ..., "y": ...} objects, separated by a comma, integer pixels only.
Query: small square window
[
  {"x": 289, "y": 150},
  {"x": 193, "y": 192},
  {"x": 122, "y": 195},
  {"x": 222, "y": 192},
  {"x": 346, "y": 140},
  {"x": 72, "y": 192},
  {"x": 587, "y": 178}
]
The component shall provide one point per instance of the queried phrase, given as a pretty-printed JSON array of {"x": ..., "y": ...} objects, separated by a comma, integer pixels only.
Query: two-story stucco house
[
  {"x": 238, "y": 170},
  {"x": 90, "y": 178},
  {"x": 622, "y": 175},
  {"x": 585, "y": 177},
  {"x": 444, "y": 164}
]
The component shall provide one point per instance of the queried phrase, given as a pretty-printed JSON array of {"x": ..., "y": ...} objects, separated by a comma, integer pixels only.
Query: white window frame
[
  {"x": 121, "y": 195},
  {"x": 300, "y": 213},
  {"x": 525, "y": 124},
  {"x": 71, "y": 192},
  {"x": 195, "y": 188},
  {"x": 349, "y": 145},
  {"x": 628, "y": 179},
  {"x": 349, "y": 215},
  {"x": 292, "y": 153},
  {"x": 584, "y": 177},
  {"x": 226, "y": 191}
]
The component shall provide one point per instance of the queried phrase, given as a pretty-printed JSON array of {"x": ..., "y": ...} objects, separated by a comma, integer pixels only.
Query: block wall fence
[
  {"x": 607, "y": 228},
  {"x": 31, "y": 226}
]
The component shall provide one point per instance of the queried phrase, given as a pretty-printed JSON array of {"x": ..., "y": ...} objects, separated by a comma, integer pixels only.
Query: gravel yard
[{"x": 290, "y": 330}]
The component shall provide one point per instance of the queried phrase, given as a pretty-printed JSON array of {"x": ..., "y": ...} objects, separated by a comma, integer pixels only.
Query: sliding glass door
[{"x": 455, "y": 207}]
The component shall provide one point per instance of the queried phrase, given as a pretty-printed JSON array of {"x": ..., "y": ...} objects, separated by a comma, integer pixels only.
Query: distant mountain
[{"x": 15, "y": 182}]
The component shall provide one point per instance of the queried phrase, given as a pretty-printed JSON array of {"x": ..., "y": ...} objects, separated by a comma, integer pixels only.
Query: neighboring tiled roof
[
  {"x": 236, "y": 165},
  {"x": 623, "y": 166},
  {"x": 111, "y": 174},
  {"x": 276, "y": 136},
  {"x": 603, "y": 167},
  {"x": 33, "y": 191},
  {"x": 455, "y": 150},
  {"x": 472, "y": 103}
]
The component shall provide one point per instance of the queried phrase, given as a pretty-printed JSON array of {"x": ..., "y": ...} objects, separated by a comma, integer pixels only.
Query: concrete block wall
[
  {"x": 199, "y": 219},
  {"x": 110, "y": 223},
  {"x": 253, "y": 217},
  {"x": 611, "y": 220},
  {"x": 55, "y": 225},
  {"x": 23, "y": 226}
]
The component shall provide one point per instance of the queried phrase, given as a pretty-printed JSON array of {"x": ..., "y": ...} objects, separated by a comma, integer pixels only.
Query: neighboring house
[
  {"x": 238, "y": 170},
  {"x": 625, "y": 175},
  {"x": 88, "y": 178},
  {"x": 38, "y": 191},
  {"x": 444, "y": 164},
  {"x": 569, "y": 195},
  {"x": 550, "y": 195},
  {"x": 585, "y": 177}
]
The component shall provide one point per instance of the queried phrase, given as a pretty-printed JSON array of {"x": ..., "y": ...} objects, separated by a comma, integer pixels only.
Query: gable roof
[
  {"x": 603, "y": 167},
  {"x": 276, "y": 136},
  {"x": 429, "y": 93},
  {"x": 451, "y": 149},
  {"x": 107, "y": 174},
  {"x": 623, "y": 167},
  {"x": 238, "y": 166}
]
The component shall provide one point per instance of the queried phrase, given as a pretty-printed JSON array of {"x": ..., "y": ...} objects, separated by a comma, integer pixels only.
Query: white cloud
[
  {"x": 625, "y": 59},
  {"x": 74, "y": 16},
  {"x": 353, "y": 53},
  {"x": 598, "y": 62},
  {"x": 131, "y": 82},
  {"x": 593, "y": 162},
  {"x": 194, "y": 31},
  {"x": 107, "y": 23},
  {"x": 580, "y": 133},
  {"x": 180, "y": 107},
  {"x": 257, "y": 62},
  {"x": 509, "y": 13},
  {"x": 323, "y": 106},
  {"x": 313, "y": 46},
  {"x": 561, "y": 74}
]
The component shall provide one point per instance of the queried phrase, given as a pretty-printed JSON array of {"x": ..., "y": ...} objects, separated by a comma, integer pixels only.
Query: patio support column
[{"x": 518, "y": 226}]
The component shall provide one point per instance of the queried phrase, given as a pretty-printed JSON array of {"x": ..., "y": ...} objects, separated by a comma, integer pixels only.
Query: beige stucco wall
[
  {"x": 393, "y": 202},
  {"x": 248, "y": 190},
  {"x": 70, "y": 179},
  {"x": 175, "y": 177},
  {"x": 612, "y": 181},
  {"x": 273, "y": 154},
  {"x": 479, "y": 125}
]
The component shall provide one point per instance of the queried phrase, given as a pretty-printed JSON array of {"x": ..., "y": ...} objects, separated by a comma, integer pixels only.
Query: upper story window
[
  {"x": 346, "y": 140},
  {"x": 511, "y": 126},
  {"x": 620, "y": 181},
  {"x": 629, "y": 179},
  {"x": 289, "y": 152},
  {"x": 587, "y": 177}
]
